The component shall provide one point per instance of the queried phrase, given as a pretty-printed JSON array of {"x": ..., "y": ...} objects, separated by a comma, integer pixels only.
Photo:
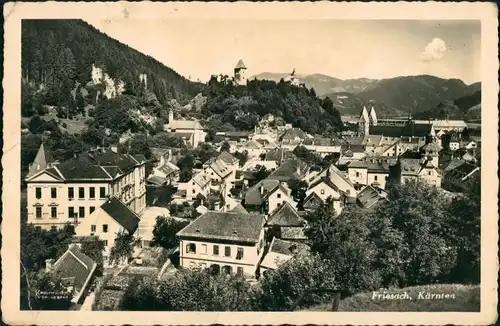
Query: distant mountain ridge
[{"x": 394, "y": 96}]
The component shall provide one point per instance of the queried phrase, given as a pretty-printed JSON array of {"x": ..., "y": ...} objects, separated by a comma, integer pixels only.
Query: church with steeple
[{"x": 366, "y": 119}]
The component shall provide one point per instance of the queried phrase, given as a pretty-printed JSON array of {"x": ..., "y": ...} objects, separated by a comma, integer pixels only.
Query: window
[
  {"x": 279, "y": 196},
  {"x": 239, "y": 271},
  {"x": 105, "y": 228},
  {"x": 81, "y": 192},
  {"x": 216, "y": 250},
  {"x": 430, "y": 172},
  {"x": 203, "y": 249},
  {"x": 71, "y": 212},
  {"x": 92, "y": 193},
  {"x": 38, "y": 228},
  {"x": 322, "y": 191},
  {"x": 91, "y": 209},
  {"x": 239, "y": 254},
  {"x": 38, "y": 193},
  {"x": 227, "y": 251},
  {"x": 194, "y": 191},
  {"x": 38, "y": 212},
  {"x": 102, "y": 192},
  {"x": 53, "y": 228},
  {"x": 191, "y": 247},
  {"x": 53, "y": 192},
  {"x": 227, "y": 270},
  {"x": 93, "y": 228},
  {"x": 105, "y": 243},
  {"x": 71, "y": 192},
  {"x": 81, "y": 211},
  {"x": 357, "y": 174},
  {"x": 53, "y": 212},
  {"x": 375, "y": 178}
]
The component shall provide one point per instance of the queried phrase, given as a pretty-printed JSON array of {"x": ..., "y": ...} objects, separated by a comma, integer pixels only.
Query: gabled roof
[
  {"x": 285, "y": 215},
  {"x": 253, "y": 144},
  {"x": 290, "y": 169},
  {"x": 368, "y": 197},
  {"x": 281, "y": 251},
  {"x": 75, "y": 265},
  {"x": 292, "y": 233},
  {"x": 121, "y": 213},
  {"x": 201, "y": 179},
  {"x": 156, "y": 180},
  {"x": 42, "y": 161},
  {"x": 364, "y": 115},
  {"x": 238, "y": 209},
  {"x": 254, "y": 197},
  {"x": 168, "y": 168},
  {"x": 279, "y": 154},
  {"x": 227, "y": 226},
  {"x": 240, "y": 65},
  {"x": 220, "y": 168},
  {"x": 187, "y": 125},
  {"x": 227, "y": 158},
  {"x": 312, "y": 201},
  {"x": 292, "y": 135}
]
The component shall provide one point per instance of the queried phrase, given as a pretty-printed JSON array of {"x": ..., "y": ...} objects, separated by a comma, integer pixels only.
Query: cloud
[{"x": 435, "y": 50}]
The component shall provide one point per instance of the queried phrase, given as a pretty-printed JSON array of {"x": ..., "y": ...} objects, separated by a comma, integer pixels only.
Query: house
[
  {"x": 224, "y": 242},
  {"x": 323, "y": 146},
  {"x": 108, "y": 220},
  {"x": 253, "y": 148},
  {"x": 72, "y": 190},
  {"x": 370, "y": 171},
  {"x": 290, "y": 169},
  {"x": 281, "y": 251},
  {"x": 312, "y": 201},
  {"x": 267, "y": 195},
  {"x": 291, "y": 138},
  {"x": 166, "y": 171},
  {"x": 324, "y": 188},
  {"x": 336, "y": 181},
  {"x": 461, "y": 178},
  {"x": 236, "y": 136},
  {"x": 286, "y": 218},
  {"x": 147, "y": 224},
  {"x": 415, "y": 166},
  {"x": 192, "y": 130},
  {"x": 368, "y": 197},
  {"x": 199, "y": 184},
  {"x": 75, "y": 269}
]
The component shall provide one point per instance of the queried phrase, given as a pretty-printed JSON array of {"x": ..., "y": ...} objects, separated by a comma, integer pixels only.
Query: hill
[
  {"x": 416, "y": 93},
  {"x": 466, "y": 108},
  {"x": 467, "y": 298},
  {"x": 65, "y": 59},
  {"x": 350, "y": 104}
]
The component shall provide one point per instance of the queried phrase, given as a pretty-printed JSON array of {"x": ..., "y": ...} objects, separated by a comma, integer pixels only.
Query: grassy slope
[{"x": 467, "y": 298}]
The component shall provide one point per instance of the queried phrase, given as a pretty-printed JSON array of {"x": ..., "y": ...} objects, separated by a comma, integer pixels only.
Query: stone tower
[
  {"x": 240, "y": 73},
  {"x": 364, "y": 123},
  {"x": 373, "y": 116}
]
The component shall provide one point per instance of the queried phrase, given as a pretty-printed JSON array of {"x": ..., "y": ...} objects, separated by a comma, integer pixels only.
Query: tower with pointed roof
[
  {"x": 240, "y": 73},
  {"x": 373, "y": 116},
  {"x": 43, "y": 160},
  {"x": 364, "y": 123}
]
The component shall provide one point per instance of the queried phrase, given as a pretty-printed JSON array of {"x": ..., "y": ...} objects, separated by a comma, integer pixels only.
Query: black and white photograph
[{"x": 192, "y": 157}]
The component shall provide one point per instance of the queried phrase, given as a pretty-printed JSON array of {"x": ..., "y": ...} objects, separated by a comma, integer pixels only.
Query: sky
[{"x": 339, "y": 48}]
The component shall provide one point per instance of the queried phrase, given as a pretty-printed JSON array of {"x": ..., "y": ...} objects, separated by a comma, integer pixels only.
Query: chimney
[
  {"x": 49, "y": 264},
  {"x": 217, "y": 206}
]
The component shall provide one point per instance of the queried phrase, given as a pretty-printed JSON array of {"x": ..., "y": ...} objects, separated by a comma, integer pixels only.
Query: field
[{"x": 467, "y": 299}]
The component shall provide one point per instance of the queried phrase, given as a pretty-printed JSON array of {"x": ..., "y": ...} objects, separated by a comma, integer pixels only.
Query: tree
[
  {"x": 93, "y": 136},
  {"x": 242, "y": 157},
  {"x": 225, "y": 147},
  {"x": 346, "y": 241},
  {"x": 279, "y": 289},
  {"x": 165, "y": 231},
  {"x": 123, "y": 248},
  {"x": 261, "y": 173},
  {"x": 94, "y": 249},
  {"x": 139, "y": 145},
  {"x": 298, "y": 189},
  {"x": 411, "y": 227}
]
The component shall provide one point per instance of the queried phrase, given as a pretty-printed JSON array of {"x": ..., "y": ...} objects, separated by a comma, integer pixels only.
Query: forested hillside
[
  {"x": 57, "y": 56},
  {"x": 466, "y": 108},
  {"x": 242, "y": 106}
]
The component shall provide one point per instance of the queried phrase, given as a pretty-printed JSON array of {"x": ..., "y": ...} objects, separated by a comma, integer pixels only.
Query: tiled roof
[
  {"x": 293, "y": 135},
  {"x": 201, "y": 179},
  {"x": 220, "y": 168},
  {"x": 183, "y": 135},
  {"x": 312, "y": 201},
  {"x": 157, "y": 152},
  {"x": 410, "y": 166},
  {"x": 254, "y": 197},
  {"x": 287, "y": 247},
  {"x": 432, "y": 146},
  {"x": 319, "y": 141},
  {"x": 253, "y": 144},
  {"x": 279, "y": 154},
  {"x": 75, "y": 264},
  {"x": 290, "y": 169},
  {"x": 227, "y": 158},
  {"x": 285, "y": 215},
  {"x": 185, "y": 125},
  {"x": 42, "y": 160},
  {"x": 238, "y": 209},
  {"x": 292, "y": 233},
  {"x": 240, "y": 65},
  {"x": 82, "y": 167},
  {"x": 122, "y": 214},
  {"x": 225, "y": 226},
  {"x": 368, "y": 196},
  {"x": 168, "y": 168},
  {"x": 156, "y": 180},
  {"x": 454, "y": 164}
]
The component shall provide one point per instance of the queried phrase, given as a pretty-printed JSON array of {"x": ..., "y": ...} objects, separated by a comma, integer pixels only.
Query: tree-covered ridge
[
  {"x": 59, "y": 54},
  {"x": 243, "y": 106}
]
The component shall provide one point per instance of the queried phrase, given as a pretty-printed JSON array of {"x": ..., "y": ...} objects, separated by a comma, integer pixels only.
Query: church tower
[
  {"x": 431, "y": 152},
  {"x": 364, "y": 123},
  {"x": 240, "y": 73},
  {"x": 373, "y": 116}
]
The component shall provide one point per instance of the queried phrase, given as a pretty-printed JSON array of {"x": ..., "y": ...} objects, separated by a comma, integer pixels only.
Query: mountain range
[{"x": 391, "y": 96}]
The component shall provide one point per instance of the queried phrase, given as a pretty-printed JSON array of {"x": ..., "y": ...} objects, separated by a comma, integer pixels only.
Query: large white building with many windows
[{"x": 67, "y": 192}]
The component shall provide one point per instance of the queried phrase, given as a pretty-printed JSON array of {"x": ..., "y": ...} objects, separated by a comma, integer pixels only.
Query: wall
[
  {"x": 381, "y": 178},
  {"x": 358, "y": 175},
  {"x": 275, "y": 202}
]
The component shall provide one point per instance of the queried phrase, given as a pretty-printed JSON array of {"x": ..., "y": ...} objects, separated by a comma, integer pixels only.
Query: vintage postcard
[{"x": 250, "y": 163}]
